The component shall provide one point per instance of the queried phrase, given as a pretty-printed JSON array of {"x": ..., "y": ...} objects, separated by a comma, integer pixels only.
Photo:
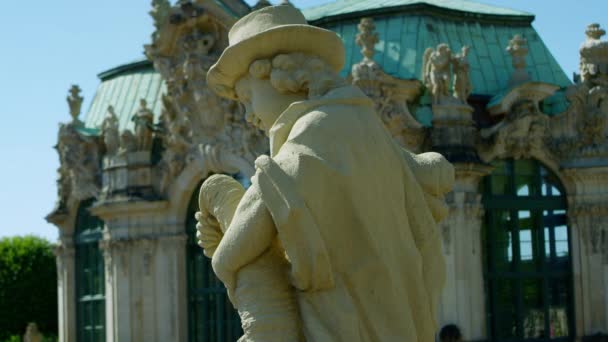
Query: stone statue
[
  {"x": 128, "y": 143},
  {"x": 518, "y": 48},
  {"x": 109, "y": 132},
  {"x": 436, "y": 69},
  {"x": 32, "y": 334},
  {"x": 462, "y": 85},
  {"x": 336, "y": 239},
  {"x": 144, "y": 126}
]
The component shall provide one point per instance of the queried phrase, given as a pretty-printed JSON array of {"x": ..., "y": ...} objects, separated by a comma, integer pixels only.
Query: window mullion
[{"x": 518, "y": 280}]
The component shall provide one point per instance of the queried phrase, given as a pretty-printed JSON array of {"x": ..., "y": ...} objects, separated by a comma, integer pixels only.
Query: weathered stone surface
[{"x": 314, "y": 192}]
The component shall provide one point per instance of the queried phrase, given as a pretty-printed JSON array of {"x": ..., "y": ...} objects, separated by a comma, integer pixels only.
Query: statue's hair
[{"x": 297, "y": 73}]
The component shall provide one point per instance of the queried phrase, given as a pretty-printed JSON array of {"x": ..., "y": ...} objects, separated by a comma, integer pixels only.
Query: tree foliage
[{"x": 28, "y": 286}]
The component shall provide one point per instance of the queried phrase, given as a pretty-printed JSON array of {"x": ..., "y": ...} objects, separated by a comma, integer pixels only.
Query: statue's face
[{"x": 263, "y": 101}]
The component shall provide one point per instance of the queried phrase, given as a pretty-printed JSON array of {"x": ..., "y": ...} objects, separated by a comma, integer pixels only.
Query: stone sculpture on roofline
[{"x": 337, "y": 238}]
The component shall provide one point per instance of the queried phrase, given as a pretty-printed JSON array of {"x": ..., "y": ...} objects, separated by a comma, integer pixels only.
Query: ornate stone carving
[
  {"x": 185, "y": 46},
  {"x": 127, "y": 142},
  {"x": 436, "y": 72},
  {"x": 462, "y": 86},
  {"x": 79, "y": 157},
  {"x": 523, "y": 131},
  {"x": 594, "y": 57},
  {"x": 144, "y": 126},
  {"x": 390, "y": 95},
  {"x": 437, "y": 67},
  {"x": 580, "y": 131},
  {"x": 518, "y": 48},
  {"x": 453, "y": 131},
  {"x": 367, "y": 38},
  {"x": 109, "y": 132}
]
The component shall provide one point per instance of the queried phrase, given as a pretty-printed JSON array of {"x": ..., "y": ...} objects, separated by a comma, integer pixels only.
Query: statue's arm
[{"x": 250, "y": 233}]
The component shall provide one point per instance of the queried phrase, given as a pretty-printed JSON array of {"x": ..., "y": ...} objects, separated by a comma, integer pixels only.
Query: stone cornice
[{"x": 127, "y": 207}]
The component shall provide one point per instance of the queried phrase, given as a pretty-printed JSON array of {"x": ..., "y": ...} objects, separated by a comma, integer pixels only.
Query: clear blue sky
[{"x": 48, "y": 45}]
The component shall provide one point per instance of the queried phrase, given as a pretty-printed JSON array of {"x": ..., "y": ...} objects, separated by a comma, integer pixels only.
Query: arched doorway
[{"x": 527, "y": 262}]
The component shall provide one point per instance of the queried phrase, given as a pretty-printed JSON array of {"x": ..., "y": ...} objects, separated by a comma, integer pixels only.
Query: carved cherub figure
[
  {"x": 436, "y": 69},
  {"x": 316, "y": 248},
  {"x": 462, "y": 82}
]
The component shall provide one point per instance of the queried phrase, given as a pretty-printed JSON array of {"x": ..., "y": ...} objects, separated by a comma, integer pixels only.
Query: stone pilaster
[
  {"x": 145, "y": 272},
  {"x": 588, "y": 216},
  {"x": 66, "y": 287},
  {"x": 463, "y": 301}
]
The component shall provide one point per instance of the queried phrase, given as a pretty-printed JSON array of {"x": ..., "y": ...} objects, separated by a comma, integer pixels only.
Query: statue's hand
[
  {"x": 218, "y": 198},
  {"x": 208, "y": 233}
]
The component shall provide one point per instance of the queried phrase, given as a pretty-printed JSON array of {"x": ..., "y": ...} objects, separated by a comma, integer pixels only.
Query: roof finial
[
  {"x": 594, "y": 56},
  {"x": 75, "y": 102},
  {"x": 594, "y": 31},
  {"x": 367, "y": 38},
  {"x": 518, "y": 48}
]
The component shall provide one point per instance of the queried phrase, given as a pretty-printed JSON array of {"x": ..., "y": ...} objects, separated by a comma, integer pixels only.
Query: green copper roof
[
  {"x": 404, "y": 36},
  {"x": 123, "y": 87},
  {"x": 405, "y": 29},
  {"x": 342, "y": 7}
]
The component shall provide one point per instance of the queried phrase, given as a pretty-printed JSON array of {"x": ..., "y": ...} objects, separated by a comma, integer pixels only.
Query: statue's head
[
  {"x": 274, "y": 59},
  {"x": 444, "y": 50}
]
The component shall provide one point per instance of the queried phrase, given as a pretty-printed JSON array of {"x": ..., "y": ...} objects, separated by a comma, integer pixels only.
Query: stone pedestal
[
  {"x": 453, "y": 133},
  {"x": 128, "y": 174}
]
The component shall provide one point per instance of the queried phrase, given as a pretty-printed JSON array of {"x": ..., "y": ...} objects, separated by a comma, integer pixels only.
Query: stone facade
[{"x": 143, "y": 179}]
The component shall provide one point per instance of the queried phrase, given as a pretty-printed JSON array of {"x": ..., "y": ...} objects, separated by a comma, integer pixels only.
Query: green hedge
[{"x": 28, "y": 286}]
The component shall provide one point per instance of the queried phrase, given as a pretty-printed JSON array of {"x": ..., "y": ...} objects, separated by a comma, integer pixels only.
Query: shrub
[{"x": 28, "y": 286}]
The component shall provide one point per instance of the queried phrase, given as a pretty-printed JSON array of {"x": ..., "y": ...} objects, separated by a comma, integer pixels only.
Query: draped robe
[{"x": 356, "y": 215}]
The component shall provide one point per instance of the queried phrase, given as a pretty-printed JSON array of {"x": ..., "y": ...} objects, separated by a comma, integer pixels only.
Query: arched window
[
  {"x": 528, "y": 270},
  {"x": 90, "y": 280},
  {"x": 211, "y": 316}
]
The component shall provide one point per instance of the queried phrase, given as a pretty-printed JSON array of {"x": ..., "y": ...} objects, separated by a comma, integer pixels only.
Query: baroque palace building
[{"x": 526, "y": 241}]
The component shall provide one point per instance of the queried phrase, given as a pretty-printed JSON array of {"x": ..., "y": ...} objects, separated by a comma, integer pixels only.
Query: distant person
[{"x": 450, "y": 333}]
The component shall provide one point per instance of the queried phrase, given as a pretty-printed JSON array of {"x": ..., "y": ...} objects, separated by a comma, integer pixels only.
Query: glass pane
[
  {"x": 549, "y": 183},
  {"x": 504, "y": 310},
  {"x": 525, "y": 178},
  {"x": 528, "y": 253},
  {"x": 534, "y": 315},
  {"x": 558, "y": 309},
  {"x": 561, "y": 241},
  {"x": 499, "y": 181}
]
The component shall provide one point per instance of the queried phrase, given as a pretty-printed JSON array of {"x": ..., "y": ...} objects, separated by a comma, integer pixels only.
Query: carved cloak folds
[{"x": 357, "y": 216}]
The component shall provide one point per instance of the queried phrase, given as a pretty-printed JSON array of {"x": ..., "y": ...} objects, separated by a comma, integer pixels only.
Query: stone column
[
  {"x": 463, "y": 299},
  {"x": 588, "y": 220},
  {"x": 145, "y": 272},
  {"x": 66, "y": 287}
]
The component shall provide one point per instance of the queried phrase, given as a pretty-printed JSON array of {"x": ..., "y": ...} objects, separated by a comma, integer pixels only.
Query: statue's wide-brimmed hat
[{"x": 268, "y": 32}]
